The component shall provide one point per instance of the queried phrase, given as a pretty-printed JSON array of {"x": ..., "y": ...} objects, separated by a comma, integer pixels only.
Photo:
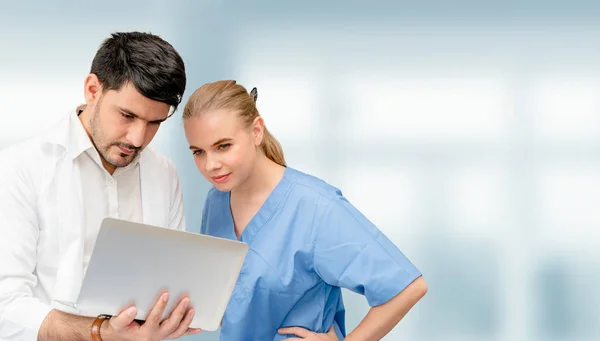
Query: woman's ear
[{"x": 258, "y": 130}]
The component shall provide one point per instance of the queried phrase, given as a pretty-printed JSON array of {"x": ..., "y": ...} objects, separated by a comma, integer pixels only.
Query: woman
[{"x": 306, "y": 241}]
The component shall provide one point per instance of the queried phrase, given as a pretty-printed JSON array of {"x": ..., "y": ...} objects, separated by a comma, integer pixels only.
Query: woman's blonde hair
[{"x": 227, "y": 94}]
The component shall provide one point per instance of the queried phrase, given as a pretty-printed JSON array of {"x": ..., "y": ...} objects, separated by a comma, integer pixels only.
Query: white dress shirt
[
  {"x": 104, "y": 195},
  {"x": 53, "y": 195}
]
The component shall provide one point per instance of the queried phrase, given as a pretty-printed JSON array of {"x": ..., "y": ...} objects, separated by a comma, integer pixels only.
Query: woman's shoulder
[
  {"x": 313, "y": 186},
  {"x": 213, "y": 192},
  {"x": 328, "y": 198},
  {"x": 214, "y": 212},
  {"x": 215, "y": 198}
]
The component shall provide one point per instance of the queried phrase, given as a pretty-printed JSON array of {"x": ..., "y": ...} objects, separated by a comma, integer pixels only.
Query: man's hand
[
  {"x": 305, "y": 334},
  {"x": 123, "y": 327}
]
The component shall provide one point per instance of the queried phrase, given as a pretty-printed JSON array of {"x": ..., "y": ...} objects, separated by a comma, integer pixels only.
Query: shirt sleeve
[
  {"x": 21, "y": 314},
  {"x": 352, "y": 253},
  {"x": 176, "y": 214}
]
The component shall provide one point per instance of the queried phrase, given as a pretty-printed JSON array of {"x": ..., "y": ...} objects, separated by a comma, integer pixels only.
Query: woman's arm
[
  {"x": 383, "y": 318},
  {"x": 351, "y": 252},
  {"x": 378, "y": 322}
]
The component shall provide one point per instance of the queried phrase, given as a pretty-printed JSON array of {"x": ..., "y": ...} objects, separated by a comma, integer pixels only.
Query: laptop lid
[{"x": 132, "y": 263}]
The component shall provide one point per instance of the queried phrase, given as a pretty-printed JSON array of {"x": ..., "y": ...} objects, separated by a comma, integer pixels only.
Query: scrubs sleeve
[{"x": 352, "y": 253}]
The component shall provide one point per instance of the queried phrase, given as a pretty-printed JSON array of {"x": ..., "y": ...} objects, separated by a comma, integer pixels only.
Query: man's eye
[{"x": 127, "y": 116}]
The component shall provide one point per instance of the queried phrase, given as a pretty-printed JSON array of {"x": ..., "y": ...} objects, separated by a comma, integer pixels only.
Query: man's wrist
[{"x": 101, "y": 328}]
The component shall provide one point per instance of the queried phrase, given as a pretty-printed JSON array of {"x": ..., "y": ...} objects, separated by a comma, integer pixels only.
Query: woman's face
[{"x": 224, "y": 148}]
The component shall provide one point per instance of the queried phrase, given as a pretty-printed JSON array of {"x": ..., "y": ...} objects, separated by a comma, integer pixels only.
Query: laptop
[{"x": 131, "y": 263}]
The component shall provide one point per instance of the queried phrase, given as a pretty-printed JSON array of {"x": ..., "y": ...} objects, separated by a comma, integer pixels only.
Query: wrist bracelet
[{"x": 96, "y": 326}]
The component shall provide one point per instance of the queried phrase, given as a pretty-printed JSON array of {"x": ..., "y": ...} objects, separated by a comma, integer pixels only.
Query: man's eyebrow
[
  {"x": 131, "y": 113},
  {"x": 127, "y": 111}
]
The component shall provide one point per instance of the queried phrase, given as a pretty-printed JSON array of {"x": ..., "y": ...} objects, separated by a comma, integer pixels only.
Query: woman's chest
[{"x": 241, "y": 216}]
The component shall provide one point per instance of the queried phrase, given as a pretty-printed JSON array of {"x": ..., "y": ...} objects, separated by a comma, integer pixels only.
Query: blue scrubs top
[{"x": 305, "y": 243}]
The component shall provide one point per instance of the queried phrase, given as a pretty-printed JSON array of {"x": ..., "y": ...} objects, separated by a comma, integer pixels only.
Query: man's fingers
[
  {"x": 192, "y": 331},
  {"x": 174, "y": 321},
  {"x": 159, "y": 307},
  {"x": 124, "y": 319},
  {"x": 295, "y": 331},
  {"x": 182, "y": 325}
]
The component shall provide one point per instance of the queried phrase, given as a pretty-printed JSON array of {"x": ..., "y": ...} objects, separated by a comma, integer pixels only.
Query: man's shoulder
[
  {"x": 44, "y": 142},
  {"x": 26, "y": 160},
  {"x": 32, "y": 151},
  {"x": 35, "y": 153}
]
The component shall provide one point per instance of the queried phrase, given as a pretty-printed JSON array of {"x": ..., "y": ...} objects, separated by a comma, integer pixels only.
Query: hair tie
[{"x": 254, "y": 94}]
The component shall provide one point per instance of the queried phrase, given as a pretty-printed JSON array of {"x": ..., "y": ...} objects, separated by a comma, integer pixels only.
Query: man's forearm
[{"x": 60, "y": 326}]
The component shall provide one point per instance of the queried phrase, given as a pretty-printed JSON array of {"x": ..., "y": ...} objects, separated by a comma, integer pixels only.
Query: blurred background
[{"x": 468, "y": 131}]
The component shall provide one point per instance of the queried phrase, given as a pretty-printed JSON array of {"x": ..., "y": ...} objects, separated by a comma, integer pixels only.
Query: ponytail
[{"x": 272, "y": 148}]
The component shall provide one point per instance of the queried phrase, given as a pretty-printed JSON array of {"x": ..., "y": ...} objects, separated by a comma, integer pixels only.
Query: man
[{"x": 56, "y": 189}]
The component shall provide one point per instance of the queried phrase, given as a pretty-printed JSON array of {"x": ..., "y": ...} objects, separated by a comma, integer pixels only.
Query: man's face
[{"x": 122, "y": 124}]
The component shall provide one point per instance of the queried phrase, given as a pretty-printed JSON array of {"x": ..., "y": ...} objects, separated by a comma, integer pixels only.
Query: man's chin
[{"x": 121, "y": 160}]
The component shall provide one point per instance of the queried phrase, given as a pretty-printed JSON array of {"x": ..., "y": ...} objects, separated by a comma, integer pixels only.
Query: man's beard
[{"x": 103, "y": 149}]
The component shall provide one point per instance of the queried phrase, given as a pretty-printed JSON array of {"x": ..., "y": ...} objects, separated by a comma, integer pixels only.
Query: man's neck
[{"x": 83, "y": 113}]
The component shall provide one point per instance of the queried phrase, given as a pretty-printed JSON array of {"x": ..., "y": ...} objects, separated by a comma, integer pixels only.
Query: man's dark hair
[{"x": 147, "y": 61}]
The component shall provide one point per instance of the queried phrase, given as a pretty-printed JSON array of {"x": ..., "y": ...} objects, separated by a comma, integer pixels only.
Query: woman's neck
[{"x": 260, "y": 183}]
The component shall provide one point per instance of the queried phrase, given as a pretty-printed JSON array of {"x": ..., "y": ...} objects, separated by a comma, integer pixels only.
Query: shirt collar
[{"x": 79, "y": 141}]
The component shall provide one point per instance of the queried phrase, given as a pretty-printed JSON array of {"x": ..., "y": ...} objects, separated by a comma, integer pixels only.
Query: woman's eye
[
  {"x": 197, "y": 152},
  {"x": 224, "y": 146}
]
